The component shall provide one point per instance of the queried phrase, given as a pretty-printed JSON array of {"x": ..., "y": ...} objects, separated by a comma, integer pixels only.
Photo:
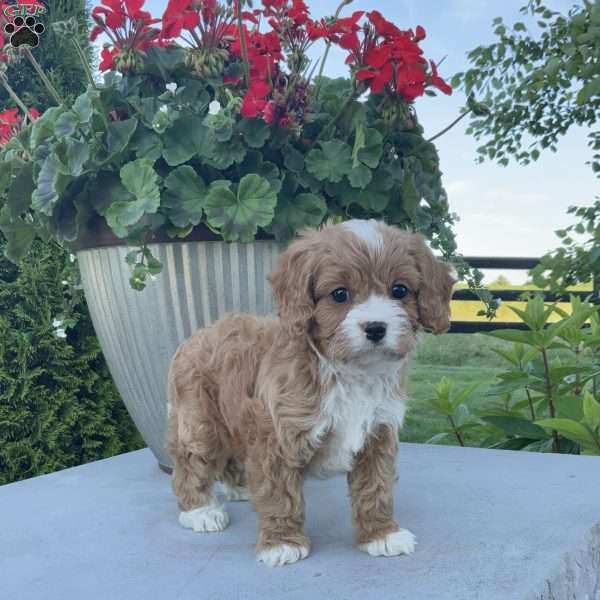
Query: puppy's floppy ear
[
  {"x": 435, "y": 292},
  {"x": 292, "y": 284}
]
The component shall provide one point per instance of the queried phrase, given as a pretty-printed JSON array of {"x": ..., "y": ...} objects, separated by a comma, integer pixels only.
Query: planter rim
[{"x": 98, "y": 234}]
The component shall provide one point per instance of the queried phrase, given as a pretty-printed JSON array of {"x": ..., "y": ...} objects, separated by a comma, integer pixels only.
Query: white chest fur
[{"x": 355, "y": 404}]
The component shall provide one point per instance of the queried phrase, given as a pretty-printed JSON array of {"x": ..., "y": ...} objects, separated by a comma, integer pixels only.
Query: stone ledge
[{"x": 490, "y": 525}]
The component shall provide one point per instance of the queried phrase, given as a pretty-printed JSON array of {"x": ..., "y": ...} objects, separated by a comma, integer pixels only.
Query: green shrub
[
  {"x": 548, "y": 397},
  {"x": 58, "y": 405}
]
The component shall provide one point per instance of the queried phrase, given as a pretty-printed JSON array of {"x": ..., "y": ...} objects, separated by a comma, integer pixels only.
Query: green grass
[{"x": 464, "y": 358}]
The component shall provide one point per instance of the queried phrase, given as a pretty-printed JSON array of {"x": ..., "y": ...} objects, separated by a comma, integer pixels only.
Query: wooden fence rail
[{"x": 510, "y": 263}]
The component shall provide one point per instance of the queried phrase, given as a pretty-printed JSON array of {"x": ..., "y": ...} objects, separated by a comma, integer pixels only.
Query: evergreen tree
[
  {"x": 58, "y": 405},
  {"x": 56, "y": 56}
]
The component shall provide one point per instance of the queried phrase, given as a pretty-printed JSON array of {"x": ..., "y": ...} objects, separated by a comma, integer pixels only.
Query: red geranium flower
[
  {"x": 254, "y": 100},
  {"x": 437, "y": 81},
  {"x": 128, "y": 27},
  {"x": 386, "y": 57},
  {"x": 11, "y": 123},
  {"x": 107, "y": 62},
  {"x": 178, "y": 15}
]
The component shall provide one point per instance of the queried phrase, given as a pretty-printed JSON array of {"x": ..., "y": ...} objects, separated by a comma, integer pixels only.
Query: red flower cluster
[
  {"x": 388, "y": 57},
  {"x": 382, "y": 56},
  {"x": 128, "y": 27},
  {"x": 11, "y": 122},
  {"x": 206, "y": 16},
  {"x": 271, "y": 94},
  {"x": 264, "y": 53}
]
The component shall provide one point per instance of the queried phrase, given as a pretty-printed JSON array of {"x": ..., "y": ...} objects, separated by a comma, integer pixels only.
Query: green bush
[
  {"x": 58, "y": 405},
  {"x": 548, "y": 397}
]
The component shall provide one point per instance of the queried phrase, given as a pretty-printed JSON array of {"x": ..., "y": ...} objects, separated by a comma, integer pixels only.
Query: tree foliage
[
  {"x": 536, "y": 86},
  {"x": 58, "y": 405},
  {"x": 56, "y": 56}
]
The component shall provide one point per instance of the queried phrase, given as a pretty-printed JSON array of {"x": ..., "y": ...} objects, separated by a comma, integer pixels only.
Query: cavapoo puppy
[{"x": 260, "y": 403}]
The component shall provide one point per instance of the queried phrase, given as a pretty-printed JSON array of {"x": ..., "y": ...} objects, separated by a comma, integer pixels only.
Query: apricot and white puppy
[{"x": 259, "y": 403}]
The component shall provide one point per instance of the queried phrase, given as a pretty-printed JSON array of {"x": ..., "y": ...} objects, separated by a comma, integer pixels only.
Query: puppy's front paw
[
  {"x": 212, "y": 517},
  {"x": 393, "y": 544},
  {"x": 284, "y": 554}
]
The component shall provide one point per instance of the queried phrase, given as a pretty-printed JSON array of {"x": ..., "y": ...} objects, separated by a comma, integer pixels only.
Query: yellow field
[{"x": 467, "y": 310}]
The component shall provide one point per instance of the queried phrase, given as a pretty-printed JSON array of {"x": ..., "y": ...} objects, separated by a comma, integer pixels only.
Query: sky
[{"x": 504, "y": 211}]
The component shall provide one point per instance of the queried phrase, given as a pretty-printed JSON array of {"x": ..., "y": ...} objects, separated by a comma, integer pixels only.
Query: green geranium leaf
[
  {"x": 44, "y": 127},
  {"x": 331, "y": 163},
  {"x": 147, "y": 144},
  {"x": 374, "y": 198},
  {"x": 360, "y": 176},
  {"x": 107, "y": 189},
  {"x": 67, "y": 226},
  {"x": 121, "y": 215},
  {"x": 239, "y": 216},
  {"x": 359, "y": 143},
  {"x": 166, "y": 60},
  {"x": 253, "y": 163},
  {"x": 370, "y": 152},
  {"x": 255, "y": 131},
  {"x": 183, "y": 140},
  {"x": 410, "y": 196},
  {"x": 20, "y": 190},
  {"x": 295, "y": 212},
  {"x": 185, "y": 198},
  {"x": 19, "y": 235},
  {"x": 119, "y": 134},
  {"x": 83, "y": 108},
  {"x": 140, "y": 179},
  {"x": 270, "y": 172},
  {"x": 73, "y": 154},
  {"x": 194, "y": 93},
  {"x": 221, "y": 155},
  {"x": 66, "y": 124},
  {"x": 293, "y": 160},
  {"x": 45, "y": 194}
]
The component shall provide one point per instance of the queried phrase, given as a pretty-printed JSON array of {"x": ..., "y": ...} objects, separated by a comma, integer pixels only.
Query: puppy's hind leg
[{"x": 199, "y": 456}]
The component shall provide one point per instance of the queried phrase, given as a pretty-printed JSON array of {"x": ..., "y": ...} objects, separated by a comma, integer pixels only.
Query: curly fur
[{"x": 265, "y": 402}]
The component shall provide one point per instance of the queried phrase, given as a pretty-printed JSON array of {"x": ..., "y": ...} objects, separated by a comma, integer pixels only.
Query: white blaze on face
[
  {"x": 367, "y": 230},
  {"x": 380, "y": 309}
]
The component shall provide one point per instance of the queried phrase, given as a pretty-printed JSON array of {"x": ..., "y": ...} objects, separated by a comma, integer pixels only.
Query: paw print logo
[{"x": 24, "y": 32}]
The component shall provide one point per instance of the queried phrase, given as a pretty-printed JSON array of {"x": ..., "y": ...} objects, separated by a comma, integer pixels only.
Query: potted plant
[{"x": 210, "y": 142}]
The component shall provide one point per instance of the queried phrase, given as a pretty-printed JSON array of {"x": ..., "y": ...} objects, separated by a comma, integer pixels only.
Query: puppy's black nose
[{"x": 375, "y": 330}]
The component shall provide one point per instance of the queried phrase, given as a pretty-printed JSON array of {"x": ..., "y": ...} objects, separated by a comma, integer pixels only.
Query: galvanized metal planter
[{"x": 140, "y": 331}]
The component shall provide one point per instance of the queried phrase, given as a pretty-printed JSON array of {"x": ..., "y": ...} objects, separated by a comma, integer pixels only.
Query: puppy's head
[{"x": 361, "y": 290}]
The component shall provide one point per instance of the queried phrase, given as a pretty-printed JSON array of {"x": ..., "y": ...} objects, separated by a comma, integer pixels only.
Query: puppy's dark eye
[
  {"x": 399, "y": 291},
  {"x": 340, "y": 295}
]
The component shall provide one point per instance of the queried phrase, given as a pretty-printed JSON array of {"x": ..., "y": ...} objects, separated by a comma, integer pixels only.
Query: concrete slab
[{"x": 490, "y": 525}]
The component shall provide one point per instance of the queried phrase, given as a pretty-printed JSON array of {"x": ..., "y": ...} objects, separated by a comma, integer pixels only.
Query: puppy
[{"x": 260, "y": 403}]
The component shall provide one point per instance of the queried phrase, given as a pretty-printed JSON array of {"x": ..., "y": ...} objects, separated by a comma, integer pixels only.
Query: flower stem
[
  {"x": 550, "y": 399},
  {"x": 456, "y": 432},
  {"x": 327, "y": 47},
  {"x": 84, "y": 62},
  {"x": 530, "y": 400},
  {"x": 338, "y": 115},
  {"x": 14, "y": 96},
  {"x": 36, "y": 65},
  {"x": 244, "y": 48},
  {"x": 446, "y": 129}
]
